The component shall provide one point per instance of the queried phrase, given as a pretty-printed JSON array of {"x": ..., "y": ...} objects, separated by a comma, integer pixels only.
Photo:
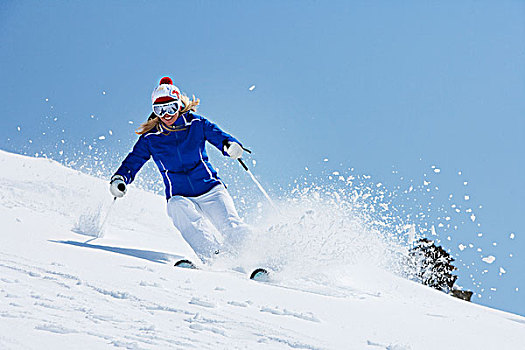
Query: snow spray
[{"x": 89, "y": 223}]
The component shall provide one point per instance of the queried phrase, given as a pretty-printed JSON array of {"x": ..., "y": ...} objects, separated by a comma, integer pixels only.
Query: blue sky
[{"x": 388, "y": 89}]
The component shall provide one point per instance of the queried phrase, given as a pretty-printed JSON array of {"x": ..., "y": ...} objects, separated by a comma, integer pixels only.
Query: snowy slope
[{"x": 57, "y": 290}]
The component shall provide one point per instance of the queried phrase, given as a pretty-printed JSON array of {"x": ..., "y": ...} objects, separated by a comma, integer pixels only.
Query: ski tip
[
  {"x": 259, "y": 274},
  {"x": 185, "y": 263}
]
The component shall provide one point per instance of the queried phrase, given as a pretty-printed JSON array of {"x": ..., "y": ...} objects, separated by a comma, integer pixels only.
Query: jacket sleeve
[
  {"x": 134, "y": 160},
  {"x": 216, "y": 136}
]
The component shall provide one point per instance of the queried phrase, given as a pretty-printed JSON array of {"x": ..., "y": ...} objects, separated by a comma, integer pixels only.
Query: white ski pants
[{"x": 208, "y": 222}]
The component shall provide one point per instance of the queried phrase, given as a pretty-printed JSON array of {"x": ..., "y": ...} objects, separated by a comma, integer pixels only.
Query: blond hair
[{"x": 153, "y": 120}]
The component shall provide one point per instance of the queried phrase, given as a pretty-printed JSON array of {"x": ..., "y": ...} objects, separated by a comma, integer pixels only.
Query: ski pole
[
  {"x": 257, "y": 182},
  {"x": 107, "y": 214}
]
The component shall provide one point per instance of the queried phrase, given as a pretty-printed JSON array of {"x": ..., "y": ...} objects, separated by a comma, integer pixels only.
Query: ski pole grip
[{"x": 242, "y": 163}]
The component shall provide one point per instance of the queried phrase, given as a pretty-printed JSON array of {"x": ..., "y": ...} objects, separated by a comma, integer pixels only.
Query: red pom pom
[{"x": 166, "y": 80}]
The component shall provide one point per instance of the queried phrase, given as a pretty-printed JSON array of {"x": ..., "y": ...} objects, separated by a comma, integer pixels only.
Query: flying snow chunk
[
  {"x": 103, "y": 92},
  {"x": 512, "y": 235},
  {"x": 325, "y": 160},
  {"x": 130, "y": 122},
  {"x": 489, "y": 259},
  {"x": 473, "y": 217},
  {"x": 502, "y": 271},
  {"x": 252, "y": 88},
  {"x": 462, "y": 247},
  {"x": 18, "y": 128},
  {"x": 437, "y": 171},
  {"x": 110, "y": 132},
  {"x": 467, "y": 197},
  {"x": 102, "y": 137}
]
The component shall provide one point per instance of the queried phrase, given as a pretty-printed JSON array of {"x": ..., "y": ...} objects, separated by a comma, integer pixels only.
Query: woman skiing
[{"x": 198, "y": 203}]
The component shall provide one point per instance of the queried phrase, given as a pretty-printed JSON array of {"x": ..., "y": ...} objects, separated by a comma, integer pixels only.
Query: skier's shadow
[{"x": 158, "y": 257}]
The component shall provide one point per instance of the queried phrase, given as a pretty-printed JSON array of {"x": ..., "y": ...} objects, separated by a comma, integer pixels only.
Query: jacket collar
[{"x": 182, "y": 122}]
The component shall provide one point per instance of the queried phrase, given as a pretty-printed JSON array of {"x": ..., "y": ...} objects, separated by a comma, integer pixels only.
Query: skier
[{"x": 198, "y": 203}]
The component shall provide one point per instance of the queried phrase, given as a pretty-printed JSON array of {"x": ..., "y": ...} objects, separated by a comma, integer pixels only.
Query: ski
[{"x": 260, "y": 274}]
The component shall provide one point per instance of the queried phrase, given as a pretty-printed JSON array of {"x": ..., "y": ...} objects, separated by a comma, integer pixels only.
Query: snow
[
  {"x": 489, "y": 259},
  {"x": 63, "y": 289}
]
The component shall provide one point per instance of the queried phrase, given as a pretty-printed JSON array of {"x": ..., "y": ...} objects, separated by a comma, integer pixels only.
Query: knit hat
[{"x": 165, "y": 92}]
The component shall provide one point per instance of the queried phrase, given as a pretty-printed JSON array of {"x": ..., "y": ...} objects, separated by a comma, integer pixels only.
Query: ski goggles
[{"x": 170, "y": 108}]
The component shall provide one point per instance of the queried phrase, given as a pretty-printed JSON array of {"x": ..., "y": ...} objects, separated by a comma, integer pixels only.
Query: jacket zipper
[{"x": 180, "y": 159}]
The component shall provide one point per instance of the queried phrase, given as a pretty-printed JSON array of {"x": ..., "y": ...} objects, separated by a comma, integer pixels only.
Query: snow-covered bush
[{"x": 433, "y": 265}]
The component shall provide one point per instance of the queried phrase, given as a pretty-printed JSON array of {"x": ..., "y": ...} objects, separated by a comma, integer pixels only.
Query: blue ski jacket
[{"x": 180, "y": 154}]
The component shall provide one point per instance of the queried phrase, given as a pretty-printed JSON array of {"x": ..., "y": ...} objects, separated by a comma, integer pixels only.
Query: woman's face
[{"x": 169, "y": 120}]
